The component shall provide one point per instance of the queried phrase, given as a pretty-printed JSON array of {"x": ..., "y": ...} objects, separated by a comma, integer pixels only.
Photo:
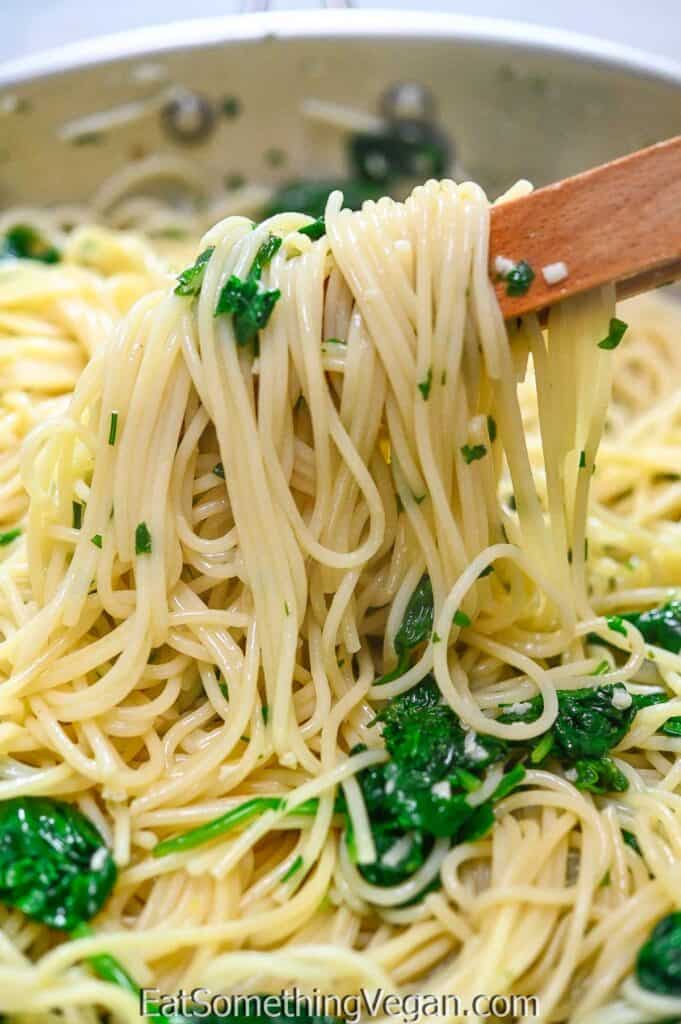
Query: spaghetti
[{"x": 317, "y": 482}]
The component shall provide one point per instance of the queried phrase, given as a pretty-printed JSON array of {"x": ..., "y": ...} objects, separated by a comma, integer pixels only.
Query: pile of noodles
[{"x": 287, "y": 580}]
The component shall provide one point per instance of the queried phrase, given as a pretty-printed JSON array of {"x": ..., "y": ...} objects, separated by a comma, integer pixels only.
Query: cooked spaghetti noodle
[{"x": 222, "y": 531}]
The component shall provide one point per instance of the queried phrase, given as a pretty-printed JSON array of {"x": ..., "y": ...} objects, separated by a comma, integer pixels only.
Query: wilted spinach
[
  {"x": 54, "y": 864},
  {"x": 658, "y": 965},
  {"x": 415, "y": 628},
  {"x": 660, "y": 627}
]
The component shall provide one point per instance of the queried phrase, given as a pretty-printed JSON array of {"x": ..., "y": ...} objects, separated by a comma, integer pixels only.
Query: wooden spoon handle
[{"x": 620, "y": 222}]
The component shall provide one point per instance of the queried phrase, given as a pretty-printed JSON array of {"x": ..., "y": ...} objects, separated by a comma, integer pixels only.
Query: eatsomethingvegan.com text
[{"x": 351, "y": 1009}]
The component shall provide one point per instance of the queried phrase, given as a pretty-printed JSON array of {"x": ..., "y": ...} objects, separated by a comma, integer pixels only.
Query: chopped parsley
[
  {"x": 461, "y": 619},
  {"x": 519, "y": 278},
  {"x": 96, "y": 540},
  {"x": 473, "y": 452},
  {"x": 295, "y": 866},
  {"x": 424, "y": 385},
  {"x": 615, "y": 334},
  {"x": 247, "y": 301},
  {"x": 265, "y": 713},
  {"x": 22, "y": 242},
  {"x": 492, "y": 429},
  {"x": 616, "y": 624},
  {"x": 142, "y": 540},
  {"x": 582, "y": 459},
  {"x": 8, "y": 536},
  {"x": 190, "y": 280},
  {"x": 113, "y": 428},
  {"x": 77, "y": 514},
  {"x": 314, "y": 230}
]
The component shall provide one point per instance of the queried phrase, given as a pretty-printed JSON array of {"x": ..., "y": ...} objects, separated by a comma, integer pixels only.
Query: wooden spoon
[{"x": 620, "y": 222}]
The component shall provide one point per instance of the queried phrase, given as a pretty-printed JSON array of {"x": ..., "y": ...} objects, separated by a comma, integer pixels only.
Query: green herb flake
[
  {"x": 492, "y": 429},
  {"x": 436, "y": 638},
  {"x": 519, "y": 278},
  {"x": 265, "y": 713},
  {"x": 249, "y": 304},
  {"x": 231, "y": 106},
  {"x": 473, "y": 452},
  {"x": 142, "y": 539},
  {"x": 295, "y": 866},
  {"x": 96, "y": 540},
  {"x": 23, "y": 242},
  {"x": 616, "y": 624},
  {"x": 425, "y": 385},
  {"x": 582, "y": 459},
  {"x": 219, "y": 470},
  {"x": 487, "y": 571},
  {"x": 113, "y": 428},
  {"x": 601, "y": 668},
  {"x": 234, "y": 181},
  {"x": 190, "y": 280},
  {"x": 542, "y": 749},
  {"x": 630, "y": 840},
  {"x": 77, "y": 514},
  {"x": 316, "y": 229},
  {"x": 615, "y": 334},
  {"x": 461, "y": 619},
  {"x": 9, "y": 535}
]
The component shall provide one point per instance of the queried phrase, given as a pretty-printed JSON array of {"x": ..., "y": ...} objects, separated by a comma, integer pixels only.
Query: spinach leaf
[
  {"x": 590, "y": 721},
  {"x": 422, "y": 792},
  {"x": 417, "y": 624},
  {"x": 415, "y": 628},
  {"x": 54, "y": 864},
  {"x": 406, "y": 148},
  {"x": 660, "y": 627},
  {"x": 658, "y": 965},
  {"x": 672, "y": 727},
  {"x": 25, "y": 243},
  {"x": 427, "y": 736},
  {"x": 398, "y": 854},
  {"x": 249, "y": 303},
  {"x": 600, "y": 775},
  {"x": 310, "y": 197}
]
